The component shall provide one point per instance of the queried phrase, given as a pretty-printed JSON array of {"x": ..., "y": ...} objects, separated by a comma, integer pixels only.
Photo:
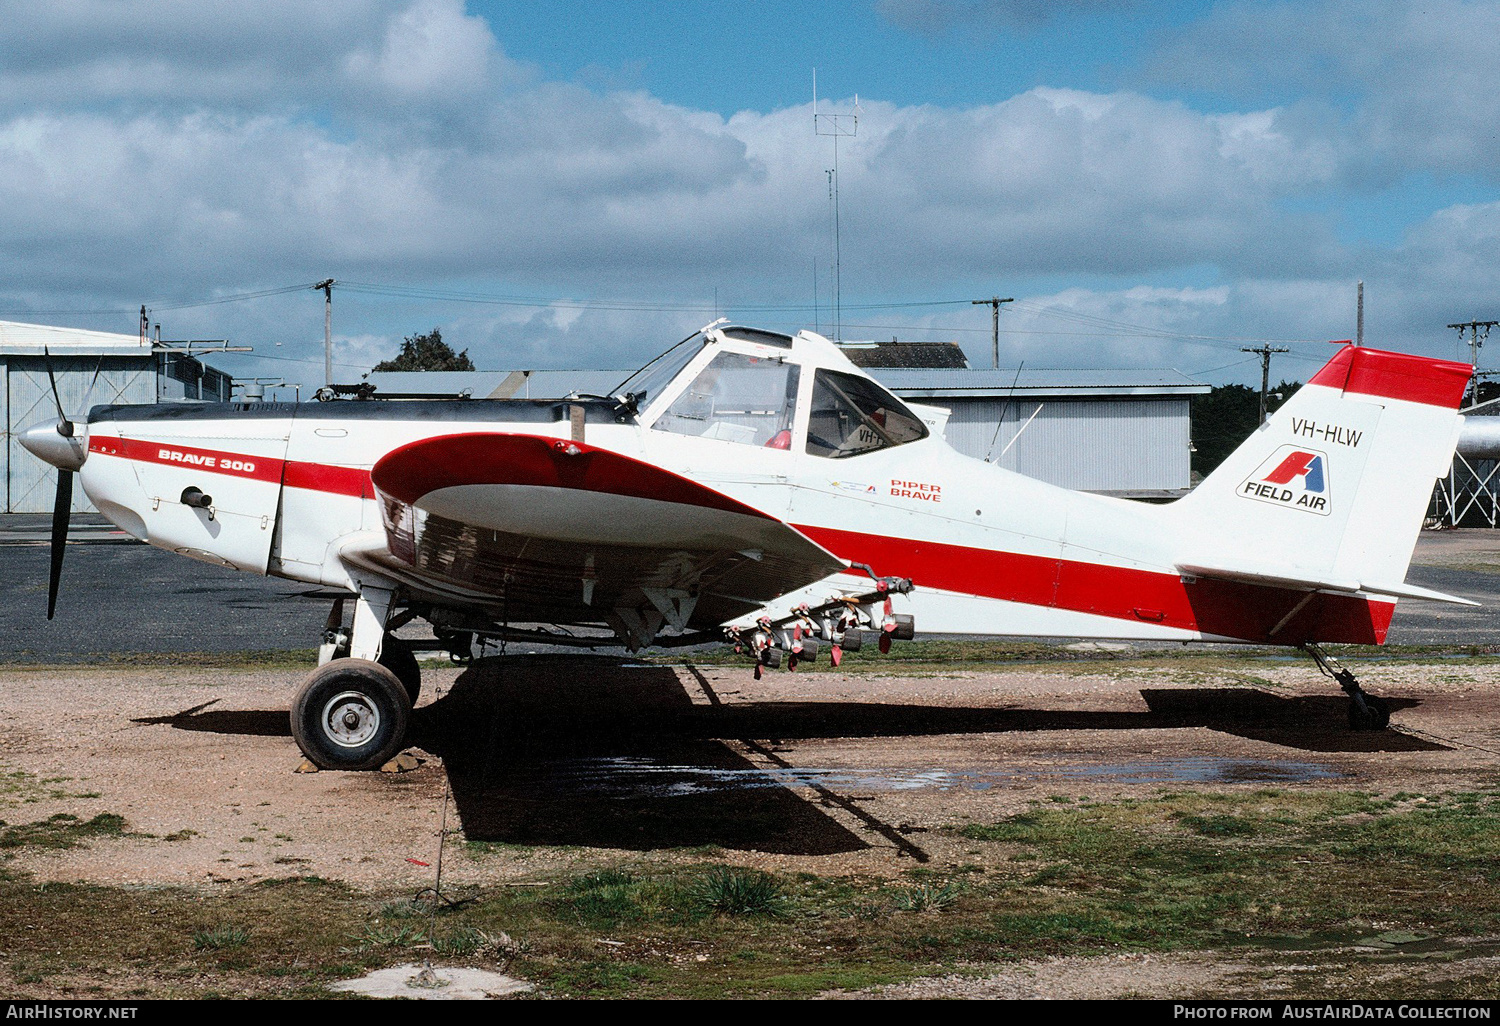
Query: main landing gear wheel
[
  {"x": 397, "y": 656},
  {"x": 351, "y": 714}
]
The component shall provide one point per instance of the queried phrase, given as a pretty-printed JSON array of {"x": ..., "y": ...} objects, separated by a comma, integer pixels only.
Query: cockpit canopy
[{"x": 765, "y": 389}]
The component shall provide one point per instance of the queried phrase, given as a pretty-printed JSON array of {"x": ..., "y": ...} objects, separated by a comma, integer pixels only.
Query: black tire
[
  {"x": 906, "y": 627},
  {"x": 397, "y": 656},
  {"x": 1380, "y": 712},
  {"x": 853, "y": 639},
  {"x": 350, "y": 714}
]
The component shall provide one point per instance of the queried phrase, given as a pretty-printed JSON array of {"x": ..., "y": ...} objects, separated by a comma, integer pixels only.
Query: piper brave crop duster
[{"x": 759, "y": 488}]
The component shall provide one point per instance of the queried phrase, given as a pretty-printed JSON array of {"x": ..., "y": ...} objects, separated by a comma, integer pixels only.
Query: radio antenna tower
[{"x": 838, "y": 126}]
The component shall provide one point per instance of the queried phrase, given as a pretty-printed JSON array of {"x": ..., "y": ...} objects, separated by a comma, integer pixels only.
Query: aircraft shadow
[
  {"x": 538, "y": 748},
  {"x": 603, "y": 752}
]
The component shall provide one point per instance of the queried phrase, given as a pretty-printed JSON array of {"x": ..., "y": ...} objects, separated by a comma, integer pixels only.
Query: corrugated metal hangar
[
  {"x": 1118, "y": 432},
  {"x": 129, "y": 369}
]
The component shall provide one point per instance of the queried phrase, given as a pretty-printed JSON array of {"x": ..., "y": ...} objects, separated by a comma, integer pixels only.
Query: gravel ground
[
  {"x": 823, "y": 772},
  {"x": 572, "y": 763}
]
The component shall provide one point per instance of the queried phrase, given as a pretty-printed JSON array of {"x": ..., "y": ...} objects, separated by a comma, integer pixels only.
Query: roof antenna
[{"x": 837, "y": 126}]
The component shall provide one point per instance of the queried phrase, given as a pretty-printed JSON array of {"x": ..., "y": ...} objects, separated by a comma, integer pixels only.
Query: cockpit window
[
  {"x": 758, "y": 335},
  {"x": 737, "y": 398},
  {"x": 853, "y": 415},
  {"x": 646, "y": 384}
]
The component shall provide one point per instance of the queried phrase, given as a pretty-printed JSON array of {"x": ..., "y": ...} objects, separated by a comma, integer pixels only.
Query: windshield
[
  {"x": 737, "y": 398},
  {"x": 648, "y": 382}
]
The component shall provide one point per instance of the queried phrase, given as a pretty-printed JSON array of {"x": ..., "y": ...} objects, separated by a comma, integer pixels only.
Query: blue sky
[{"x": 572, "y": 184}]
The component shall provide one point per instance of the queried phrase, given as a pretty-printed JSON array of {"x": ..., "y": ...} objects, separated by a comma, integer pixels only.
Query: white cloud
[
  {"x": 159, "y": 150},
  {"x": 431, "y": 51}
]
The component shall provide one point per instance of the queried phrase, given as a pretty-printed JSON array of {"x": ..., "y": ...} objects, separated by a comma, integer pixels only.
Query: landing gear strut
[
  {"x": 1366, "y": 712},
  {"x": 352, "y": 712}
]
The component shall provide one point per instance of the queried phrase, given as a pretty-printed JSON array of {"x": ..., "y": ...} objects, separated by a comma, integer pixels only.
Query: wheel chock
[
  {"x": 403, "y": 763},
  {"x": 306, "y": 766}
]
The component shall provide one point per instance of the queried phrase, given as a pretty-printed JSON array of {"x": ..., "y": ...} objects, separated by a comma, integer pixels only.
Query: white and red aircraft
[{"x": 758, "y": 487}]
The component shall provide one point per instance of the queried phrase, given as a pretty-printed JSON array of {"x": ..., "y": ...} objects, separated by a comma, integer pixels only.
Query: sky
[{"x": 572, "y": 184}]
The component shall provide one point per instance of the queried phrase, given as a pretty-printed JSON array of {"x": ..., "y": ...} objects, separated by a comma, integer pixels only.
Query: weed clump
[
  {"x": 221, "y": 938},
  {"x": 734, "y": 891},
  {"x": 927, "y": 897}
]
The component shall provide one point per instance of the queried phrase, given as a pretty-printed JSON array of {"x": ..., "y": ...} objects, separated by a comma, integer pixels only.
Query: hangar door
[{"x": 30, "y": 484}]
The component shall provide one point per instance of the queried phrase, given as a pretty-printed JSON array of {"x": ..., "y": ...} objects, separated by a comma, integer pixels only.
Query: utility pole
[
  {"x": 327, "y": 286},
  {"x": 1265, "y": 352},
  {"x": 1475, "y": 332},
  {"x": 994, "y": 303}
]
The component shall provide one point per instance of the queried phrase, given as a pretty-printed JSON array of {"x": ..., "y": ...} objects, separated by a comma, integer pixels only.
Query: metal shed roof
[
  {"x": 20, "y": 339},
  {"x": 1035, "y": 382}
]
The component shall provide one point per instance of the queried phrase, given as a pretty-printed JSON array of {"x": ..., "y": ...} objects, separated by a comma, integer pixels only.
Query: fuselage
[{"x": 790, "y": 431}]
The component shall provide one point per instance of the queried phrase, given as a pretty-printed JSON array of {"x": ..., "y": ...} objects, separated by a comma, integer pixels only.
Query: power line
[{"x": 1472, "y": 330}]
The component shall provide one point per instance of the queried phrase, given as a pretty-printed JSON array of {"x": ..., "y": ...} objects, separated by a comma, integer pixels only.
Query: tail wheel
[
  {"x": 351, "y": 714},
  {"x": 397, "y": 656},
  {"x": 1377, "y": 716}
]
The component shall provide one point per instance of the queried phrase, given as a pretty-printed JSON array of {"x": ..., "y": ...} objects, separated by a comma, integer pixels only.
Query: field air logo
[{"x": 1292, "y": 477}]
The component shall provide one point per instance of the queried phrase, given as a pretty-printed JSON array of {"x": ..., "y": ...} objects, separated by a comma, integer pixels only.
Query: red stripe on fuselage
[
  {"x": 173, "y": 454},
  {"x": 321, "y": 477},
  {"x": 1210, "y": 607},
  {"x": 317, "y": 477}
]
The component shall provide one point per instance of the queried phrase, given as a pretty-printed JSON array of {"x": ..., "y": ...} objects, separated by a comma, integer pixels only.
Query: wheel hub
[{"x": 350, "y": 719}]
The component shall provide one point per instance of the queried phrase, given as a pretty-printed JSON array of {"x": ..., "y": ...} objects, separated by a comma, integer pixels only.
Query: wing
[{"x": 555, "y": 531}]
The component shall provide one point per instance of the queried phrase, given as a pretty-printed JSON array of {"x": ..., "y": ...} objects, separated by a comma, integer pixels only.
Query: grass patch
[
  {"x": 221, "y": 938},
  {"x": 1193, "y": 662},
  {"x": 1250, "y": 873},
  {"x": 1189, "y": 870},
  {"x": 297, "y": 658},
  {"x": 60, "y": 831},
  {"x": 17, "y": 787}
]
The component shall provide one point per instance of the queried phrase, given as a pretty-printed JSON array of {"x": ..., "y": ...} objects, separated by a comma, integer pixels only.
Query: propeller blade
[
  {"x": 62, "y": 508},
  {"x": 64, "y": 425},
  {"x": 83, "y": 409}
]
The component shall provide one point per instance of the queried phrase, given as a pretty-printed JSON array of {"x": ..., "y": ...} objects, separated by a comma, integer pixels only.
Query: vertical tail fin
[{"x": 1332, "y": 490}]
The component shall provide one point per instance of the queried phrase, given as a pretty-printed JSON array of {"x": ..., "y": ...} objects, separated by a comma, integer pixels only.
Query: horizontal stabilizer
[{"x": 1278, "y": 577}]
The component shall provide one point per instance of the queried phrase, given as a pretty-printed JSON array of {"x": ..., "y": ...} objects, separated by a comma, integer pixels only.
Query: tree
[
  {"x": 1226, "y": 416},
  {"x": 427, "y": 353}
]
